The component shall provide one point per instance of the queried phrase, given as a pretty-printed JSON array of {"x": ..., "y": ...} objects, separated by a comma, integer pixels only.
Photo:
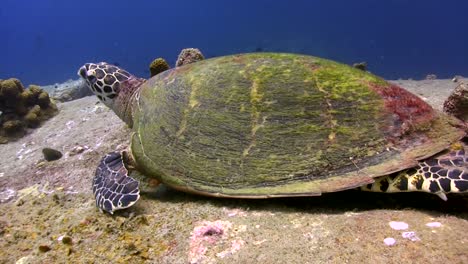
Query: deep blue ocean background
[{"x": 46, "y": 41}]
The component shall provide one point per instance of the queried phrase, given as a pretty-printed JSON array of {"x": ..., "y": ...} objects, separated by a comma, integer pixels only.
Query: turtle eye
[{"x": 91, "y": 78}]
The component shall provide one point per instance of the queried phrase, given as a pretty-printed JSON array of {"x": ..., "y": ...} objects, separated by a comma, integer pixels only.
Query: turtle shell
[{"x": 268, "y": 125}]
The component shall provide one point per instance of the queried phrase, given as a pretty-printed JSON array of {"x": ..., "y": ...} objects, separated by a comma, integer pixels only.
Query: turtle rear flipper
[
  {"x": 112, "y": 187},
  {"x": 437, "y": 175}
]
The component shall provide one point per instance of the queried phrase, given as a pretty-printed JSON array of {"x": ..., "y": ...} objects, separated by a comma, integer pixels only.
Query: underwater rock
[
  {"x": 157, "y": 66},
  {"x": 44, "y": 248},
  {"x": 189, "y": 55},
  {"x": 457, "y": 103},
  {"x": 68, "y": 91},
  {"x": 431, "y": 77},
  {"x": 51, "y": 154},
  {"x": 22, "y": 108}
]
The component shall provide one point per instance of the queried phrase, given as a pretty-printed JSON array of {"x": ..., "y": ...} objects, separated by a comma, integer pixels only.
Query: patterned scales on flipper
[
  {"x": 440, "y": 175},
  {"x": 112, "y": 187}
]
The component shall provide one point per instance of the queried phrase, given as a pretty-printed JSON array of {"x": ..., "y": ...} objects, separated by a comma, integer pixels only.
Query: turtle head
[
  {"x": 115, "y": 87},
  {"x": 104, "y": 80}
]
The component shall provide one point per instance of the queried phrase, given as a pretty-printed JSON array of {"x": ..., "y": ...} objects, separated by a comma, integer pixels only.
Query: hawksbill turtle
[{"x": 264, "y": 125}]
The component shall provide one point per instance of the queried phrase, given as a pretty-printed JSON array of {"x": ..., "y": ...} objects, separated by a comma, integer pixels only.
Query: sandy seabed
[{"x": 48, "y": 213}]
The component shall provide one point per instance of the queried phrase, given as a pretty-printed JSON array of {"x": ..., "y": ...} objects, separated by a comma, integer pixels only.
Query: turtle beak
[{"x": 84, "y": 73}]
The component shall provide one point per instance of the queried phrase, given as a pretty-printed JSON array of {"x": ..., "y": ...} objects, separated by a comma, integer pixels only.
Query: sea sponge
[
  {"x": 157, "y": 66},
  {"x": 12, "y": 127},
  {"x": 10, "y": 88},
  {"x": 18, "y": 83},
  {"x": 50, "y": 111},
  {"x": 28, "y": 98},
  {"x": 43, "y": 100},
  {"x": 22, "y": 108},
  {"x": 32, "y": 120},
  {"x": 189, "y": 55},
  {"x": 35, "y": 110},
  {"x": 35, "y": 90}
]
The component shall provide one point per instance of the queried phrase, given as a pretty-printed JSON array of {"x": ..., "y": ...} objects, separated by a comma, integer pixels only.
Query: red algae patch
[{"x": 408, "y": 110}]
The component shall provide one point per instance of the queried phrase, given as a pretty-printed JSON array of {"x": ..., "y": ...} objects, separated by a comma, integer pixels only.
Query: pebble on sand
[
  {"x": 44, "y": 248},
  {"x": 51, "y": 154}
]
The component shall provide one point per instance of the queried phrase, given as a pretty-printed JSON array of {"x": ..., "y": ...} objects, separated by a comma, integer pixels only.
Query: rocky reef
[
  {"x": 22, "y": 108},
  {"x": 68, "y": 91},
  {"x": 189, "y": 55},
  {"x": 457, "y": 103}
]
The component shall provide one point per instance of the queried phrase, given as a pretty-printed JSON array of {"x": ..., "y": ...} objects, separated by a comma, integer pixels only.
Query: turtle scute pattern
[
  {"x": 104, "y": 79},
  {"x": 112, "y": 187},
  {"x": 434, "y": 175}
]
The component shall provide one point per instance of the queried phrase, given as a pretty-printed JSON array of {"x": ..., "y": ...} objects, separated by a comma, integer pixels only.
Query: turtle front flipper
[
  {"x": 112, "y": 187},
  {"x": 439, "y": 175}
]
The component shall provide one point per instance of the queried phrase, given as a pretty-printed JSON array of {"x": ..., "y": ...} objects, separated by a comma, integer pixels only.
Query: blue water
[{"x": 45, "y": 41}]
